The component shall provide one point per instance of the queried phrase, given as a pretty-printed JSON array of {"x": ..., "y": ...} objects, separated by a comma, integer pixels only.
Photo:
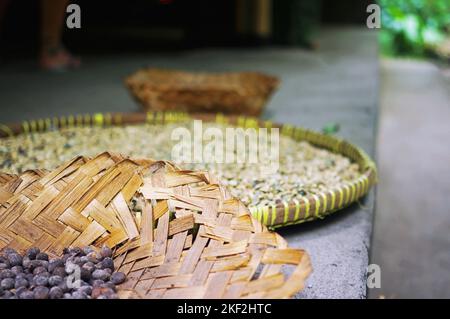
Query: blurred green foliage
[{"x": 412, "y": 27}]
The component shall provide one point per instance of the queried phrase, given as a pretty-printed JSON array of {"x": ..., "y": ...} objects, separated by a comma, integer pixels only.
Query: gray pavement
[
  {"x": 411, "y": 235},
  {"x": 336, "y": 83}
]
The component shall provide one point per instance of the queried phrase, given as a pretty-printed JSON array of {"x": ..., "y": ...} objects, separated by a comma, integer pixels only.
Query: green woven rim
[{"x": 279, "y": 214}]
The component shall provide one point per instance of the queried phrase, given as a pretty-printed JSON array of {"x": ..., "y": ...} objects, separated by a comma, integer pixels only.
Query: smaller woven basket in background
[{"x": 230, "y": 93}]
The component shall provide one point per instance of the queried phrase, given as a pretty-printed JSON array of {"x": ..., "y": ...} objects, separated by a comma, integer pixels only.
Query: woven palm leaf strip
[
  {"x": 189, "y": 239},
  {"x": 279, "y": 214}
]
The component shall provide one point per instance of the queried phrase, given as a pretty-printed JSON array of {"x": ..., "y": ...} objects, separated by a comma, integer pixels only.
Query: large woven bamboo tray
[
  {"x": 280, "y": 213},
  {"x": 243, "y": 93},
  {"x": 176, "y": 234}
]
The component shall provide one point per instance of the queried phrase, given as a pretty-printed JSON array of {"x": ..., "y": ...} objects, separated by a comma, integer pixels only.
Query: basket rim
[{"x": 278, "y": 214}]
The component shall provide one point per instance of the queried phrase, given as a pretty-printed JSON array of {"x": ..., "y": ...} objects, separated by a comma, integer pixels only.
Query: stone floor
[{"x": 411, "y": 240}]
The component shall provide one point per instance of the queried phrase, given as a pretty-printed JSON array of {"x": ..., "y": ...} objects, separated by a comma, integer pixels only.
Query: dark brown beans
[
  {"x": 56, "y": 293},
  {"x": 36, "y": 276},
  {"x": 41, "y": 292},
  {"x": 118, "y": 277}
]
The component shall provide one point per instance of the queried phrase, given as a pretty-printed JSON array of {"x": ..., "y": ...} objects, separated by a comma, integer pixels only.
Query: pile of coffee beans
[{"x": 81, "y": 273}]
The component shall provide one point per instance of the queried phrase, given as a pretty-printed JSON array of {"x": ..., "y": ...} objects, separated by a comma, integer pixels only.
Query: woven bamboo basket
[
  {"x": 280, "y": 213},
  {"x": 187, "y": 239},
  {"x": 230, "y": 93}
]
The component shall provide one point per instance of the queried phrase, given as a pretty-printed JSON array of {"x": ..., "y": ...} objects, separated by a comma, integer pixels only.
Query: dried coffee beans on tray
[{"x": 81, "y": 273}]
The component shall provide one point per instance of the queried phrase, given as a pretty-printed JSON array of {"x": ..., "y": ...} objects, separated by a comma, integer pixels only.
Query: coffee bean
[
  {"x": 20, "y": 290},
  {"x": 21, "y": 275},
  {"x": 84, "y": 259},
  {"x": 35, "y": 264},
  {"x": 100, "y": 274},
  {"x": 118, "y": 277},
  {"x": 106, "y": 251},
  {"x": 76, "y": 251},
  {"x": 36, "y": 276},
  {"x": 97, "y": 282},
  {"x": 41, "y": 292},
  {"x": 7, "y": 294},
  {"x": 26, "y": 295},
  {"x": 46, "y": 274},
  {"x": 9, "y": 250},
  {"x": 55, "y": 280},
  {"x": 108, "y": 263},
  {"x": 56, "y": 293},
  {"x": 7, "y": 283},
  {"x": 93, "y": 258},
  {"x": 15, "y": 260},
  {"x": 86, "y": 289},
  {"x": 44, "y": 263},
  {"x": 17, "y": 270},
  {"x": 39, "y": 270},
  {"x": 26, "y": 262},
  {"x": 63, "y": 286},
  {"x": 40, "y": 280},
  {"x": 55, "y": 263},
  {"x": 85, "y": 274},
  {"x": 79, "y": 295},
  {"x": 7, "y": 273},
  {"x": 59, "y": 271},
  {"x": 32, "y": 253},
  {"x": 89, "y": 266},
  {"x": 42, "y": 256},
  {"x": 29, "y": 277},
  {"x": 87, "y": 250},
  {"x": 21, "y": 282}
]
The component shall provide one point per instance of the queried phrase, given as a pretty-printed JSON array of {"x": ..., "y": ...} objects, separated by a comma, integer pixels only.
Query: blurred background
[
  {"x": 388, "y": 89},
  {"x": 171, "y": 24}
]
